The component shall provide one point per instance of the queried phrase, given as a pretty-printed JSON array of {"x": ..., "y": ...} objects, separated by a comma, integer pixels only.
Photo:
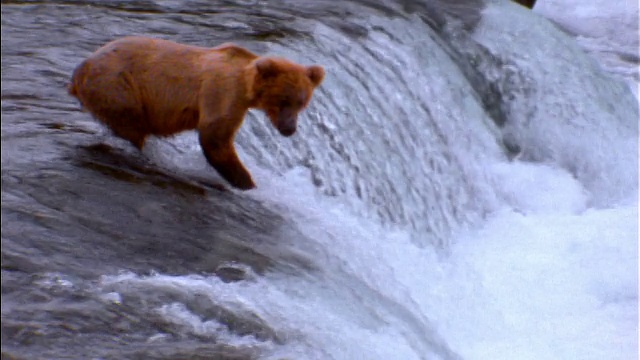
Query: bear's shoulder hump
[{"x": 235, "y": 51}]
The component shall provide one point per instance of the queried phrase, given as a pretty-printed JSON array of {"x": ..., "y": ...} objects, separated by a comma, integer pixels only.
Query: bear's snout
[
  {"x": 287, "y": 123},
  {"x": 288, "y": 128}
]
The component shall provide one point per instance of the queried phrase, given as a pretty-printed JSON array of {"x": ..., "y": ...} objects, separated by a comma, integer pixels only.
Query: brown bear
[{"x": 142, "y": 86}]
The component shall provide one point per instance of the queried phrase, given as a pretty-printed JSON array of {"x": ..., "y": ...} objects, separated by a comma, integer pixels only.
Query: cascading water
[
  {"x": 459, "y": 162},
  {"x": 401, "y": 134}
]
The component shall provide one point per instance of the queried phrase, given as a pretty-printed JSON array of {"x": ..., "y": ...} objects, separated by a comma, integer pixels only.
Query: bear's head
[{"x": 282, "y": 89}]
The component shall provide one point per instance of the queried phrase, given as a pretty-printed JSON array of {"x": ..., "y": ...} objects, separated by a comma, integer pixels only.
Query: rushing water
[{"x": 433, "y": 117}]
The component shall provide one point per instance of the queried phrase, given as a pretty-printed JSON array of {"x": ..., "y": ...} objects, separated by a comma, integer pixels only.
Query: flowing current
[{"x": 463, "y": 185}]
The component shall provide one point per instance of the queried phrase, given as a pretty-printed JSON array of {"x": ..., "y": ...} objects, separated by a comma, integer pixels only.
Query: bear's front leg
[{"x": 223, "y": 157}]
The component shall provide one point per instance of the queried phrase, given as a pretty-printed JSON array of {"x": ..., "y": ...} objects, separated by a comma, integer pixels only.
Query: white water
[
  {"x": 540, "y": 261},
  {"x": 606, "y": 29}
]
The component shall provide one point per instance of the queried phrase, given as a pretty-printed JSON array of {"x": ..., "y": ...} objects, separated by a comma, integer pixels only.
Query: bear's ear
[
  {"x": 315, "y": 74},
  {"x": 266, "y": 67}
]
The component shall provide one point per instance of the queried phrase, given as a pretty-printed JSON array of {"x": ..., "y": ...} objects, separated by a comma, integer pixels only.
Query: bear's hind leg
[
  {"x": 113, "y": 99},
  {"x": 127, "y": 125},
  {"x": 134, "y": 136}
]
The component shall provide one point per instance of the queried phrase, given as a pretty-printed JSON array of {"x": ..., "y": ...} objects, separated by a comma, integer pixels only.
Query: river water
[{"x": 438, "y": 123}]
